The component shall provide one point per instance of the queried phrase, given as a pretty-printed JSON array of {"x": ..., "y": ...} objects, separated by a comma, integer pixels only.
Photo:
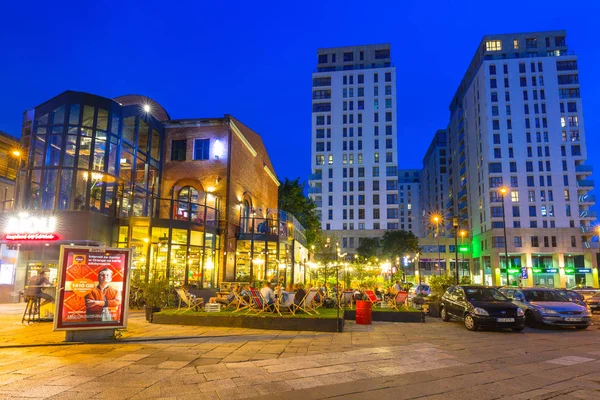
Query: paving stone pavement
[{"x": 385, "y": 360}]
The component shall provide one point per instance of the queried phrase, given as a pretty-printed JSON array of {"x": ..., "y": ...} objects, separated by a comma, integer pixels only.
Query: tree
[
  {"x": 397, "y": 244},
  {"x": 292, "y": 200},
  {"x": 369, "y": 247}
]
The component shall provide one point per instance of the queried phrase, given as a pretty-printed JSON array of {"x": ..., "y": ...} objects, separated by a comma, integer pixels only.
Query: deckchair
[
  {"x": 399, "y": 301},
  {"x": 372, "y": 298},
  {"x": 346, "y": 297},
  {"x": 258, "y": 304},
  {"x": 190, "y": 301},
  {"x": 239, "y": 302},
  {"x": 284, "y": 301},
  {"x": 306, "y": 304}
]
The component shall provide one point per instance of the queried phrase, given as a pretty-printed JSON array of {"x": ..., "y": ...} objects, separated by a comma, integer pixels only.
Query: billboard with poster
[{"x": 93, "y": 288}]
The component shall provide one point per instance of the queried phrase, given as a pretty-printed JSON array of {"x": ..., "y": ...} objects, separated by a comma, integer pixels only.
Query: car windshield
[
  {"x": 544, "y": 295},
  {"x": 484, "y": 294}
]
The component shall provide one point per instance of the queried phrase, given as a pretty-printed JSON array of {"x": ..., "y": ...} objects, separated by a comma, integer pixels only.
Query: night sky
[{"x": 254, "y": 59}]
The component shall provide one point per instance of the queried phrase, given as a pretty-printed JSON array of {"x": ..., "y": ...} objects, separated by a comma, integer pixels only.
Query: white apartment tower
[
  {"x": 517, "y": 123},
  {"x": 354, "y": 178}
]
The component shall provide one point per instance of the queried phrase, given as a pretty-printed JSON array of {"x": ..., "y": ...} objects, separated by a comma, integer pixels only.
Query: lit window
[
  {"x": 516, "y": 44},
  {"x": 493, "y": 45},
  {"x": 514, "y": 196}
]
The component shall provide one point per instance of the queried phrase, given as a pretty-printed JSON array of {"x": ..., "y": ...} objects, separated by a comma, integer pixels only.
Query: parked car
[
  {"x": 593, "y": 303},
  {"x": 549, "y": 307},
  {"x": 481, "y": 307},
  {"x": 573, "y": 296},
  {"x": 586, "y": 291},
  {"x": 422, "y": 289}
]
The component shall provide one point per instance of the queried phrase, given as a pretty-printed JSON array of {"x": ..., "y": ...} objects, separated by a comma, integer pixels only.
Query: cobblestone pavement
[{"x": 382, "y": 361}]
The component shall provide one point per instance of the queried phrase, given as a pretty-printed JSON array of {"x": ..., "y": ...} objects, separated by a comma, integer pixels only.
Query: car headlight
[
  {"x": 547, "y": 311},
  {"x": 480, "y": 311},
  {"x": 520, "y": 312}
]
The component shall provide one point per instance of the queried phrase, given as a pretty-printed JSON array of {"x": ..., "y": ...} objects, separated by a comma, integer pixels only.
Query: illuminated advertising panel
[
  {"x": 26, "y": 227},
  {"x": 93, "y": 288}
]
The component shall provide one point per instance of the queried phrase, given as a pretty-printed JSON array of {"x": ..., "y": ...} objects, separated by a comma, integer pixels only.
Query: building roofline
[{"x": 354, "y": 46}]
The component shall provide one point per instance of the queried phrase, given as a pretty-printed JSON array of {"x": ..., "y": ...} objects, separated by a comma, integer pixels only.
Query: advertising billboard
[{"x": 93, "y": 288}]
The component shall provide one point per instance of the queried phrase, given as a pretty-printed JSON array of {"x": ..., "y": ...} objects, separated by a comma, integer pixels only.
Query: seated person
[
  {"x": 357, "y": 295},
  {"x": 300, "y": 293},
  {"x": 227, "y": 299},
  {"x": 378, "y": 293},
  {"x": 268, "y": 293}
]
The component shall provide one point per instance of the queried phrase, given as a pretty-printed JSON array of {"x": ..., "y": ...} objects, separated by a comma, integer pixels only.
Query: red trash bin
[{"x": 364, "y": 314}]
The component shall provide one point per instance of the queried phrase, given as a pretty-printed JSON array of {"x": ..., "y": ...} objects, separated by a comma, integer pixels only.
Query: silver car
[{"x": 548, "y": 307}]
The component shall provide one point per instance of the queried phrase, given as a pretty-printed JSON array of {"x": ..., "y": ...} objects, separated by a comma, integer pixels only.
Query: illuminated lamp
[{"x": 218, "y": 149}]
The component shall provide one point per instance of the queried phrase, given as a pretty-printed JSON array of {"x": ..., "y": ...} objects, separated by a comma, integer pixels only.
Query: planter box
[
  {"x": 251, "y": 321},
  {"x": 389, "y": 316},
  {"x": 434, "y": 310}
]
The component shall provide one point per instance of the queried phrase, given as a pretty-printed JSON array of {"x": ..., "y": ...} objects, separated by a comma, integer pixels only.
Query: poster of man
[{"x": 93, "y": 288}]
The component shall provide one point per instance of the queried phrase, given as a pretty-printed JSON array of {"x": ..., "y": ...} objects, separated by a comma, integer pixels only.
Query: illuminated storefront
[{"x": 270, "y": 248}]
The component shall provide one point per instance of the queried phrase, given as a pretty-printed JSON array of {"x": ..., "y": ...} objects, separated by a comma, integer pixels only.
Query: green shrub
[{"x": 439, "y": 284}]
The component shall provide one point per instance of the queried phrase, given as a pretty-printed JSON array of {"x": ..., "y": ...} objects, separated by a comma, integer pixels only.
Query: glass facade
[
  {"x": 89, "y": 153},
  {"x": 266, "y": 248}
]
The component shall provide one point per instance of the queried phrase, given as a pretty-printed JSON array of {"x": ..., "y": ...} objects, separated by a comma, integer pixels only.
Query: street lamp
[
  {"x": 455, "y": 223},
  {"x": 436, "y": 218},
  {"x": 504, "y": 191},
  {"x": 18, "y": 154},
  {"x": 462, "y": 234}
]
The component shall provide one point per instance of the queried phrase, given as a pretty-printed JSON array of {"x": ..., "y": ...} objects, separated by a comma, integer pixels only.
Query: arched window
[
  {"x": 245, "y": 216},
  {"x": 188, "y": 200}
]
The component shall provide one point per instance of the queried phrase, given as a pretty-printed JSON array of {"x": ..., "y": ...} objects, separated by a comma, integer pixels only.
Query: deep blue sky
[{"x": 254, "y": 59}]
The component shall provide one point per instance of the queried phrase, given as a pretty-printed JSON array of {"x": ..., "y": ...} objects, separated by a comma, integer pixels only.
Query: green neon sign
[{"x": 464, "y": 249}]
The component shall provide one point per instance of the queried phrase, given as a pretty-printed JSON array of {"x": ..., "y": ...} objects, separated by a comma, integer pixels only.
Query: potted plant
[
  {"x": 439, "y": 284},
  {"x": 155, "y": 297}
]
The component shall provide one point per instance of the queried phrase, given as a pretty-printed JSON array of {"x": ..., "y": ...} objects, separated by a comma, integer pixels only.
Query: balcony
[
  {"x": 588, "y": 229},
  {"x": 584, "y": 170},
  {"x": 462, "y": 205},
  {"x": 590, "y": 245},
  {"x": 585, "y": 184},
  {"x": 587, "y": 199},
  {"x": 315, "y": 177},
  {"x": 588, "y": 214},
  {"x": 319, "y": 203},
  {"x": 462, "y": 171},
  {"x": 315, "y": 190},
  {"x": 462, "y": 193}
]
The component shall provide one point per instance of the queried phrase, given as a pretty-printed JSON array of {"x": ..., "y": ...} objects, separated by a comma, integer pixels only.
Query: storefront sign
[
  {"x": 464, "y": 249},
  {"x": 94, "y": 288},
  {"x": 25, "y": 227},
  {"x": 545, "y": 270},
  {"x": 584, "y": 270}
]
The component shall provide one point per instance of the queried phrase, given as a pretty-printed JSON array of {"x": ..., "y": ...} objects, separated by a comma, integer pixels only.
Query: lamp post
[
  {"x": 455, "y": 225},
  {"x": 18, "y": 154},
  {"x": 463, "y": 233},
  {"x": 503, "y": 191},
  {"x": 436, "y": 219}
]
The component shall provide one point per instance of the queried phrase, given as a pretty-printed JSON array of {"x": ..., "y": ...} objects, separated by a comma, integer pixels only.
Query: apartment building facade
[
  {"x": 354, "y": 179},
  {"x": 434, "y": 184},
  {"x": 409, "y": 193},
  {"x": 517, "y": 144}
]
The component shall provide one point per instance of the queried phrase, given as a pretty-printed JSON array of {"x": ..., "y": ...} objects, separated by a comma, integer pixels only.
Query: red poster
[{"x": 93, "y": 288}]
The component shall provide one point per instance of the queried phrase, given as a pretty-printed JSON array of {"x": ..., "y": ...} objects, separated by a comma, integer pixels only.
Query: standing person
[
  {"x": 103, "y": 301},
  {"x": 35, "y": 284},
  {"x": 268, "y": 293}
]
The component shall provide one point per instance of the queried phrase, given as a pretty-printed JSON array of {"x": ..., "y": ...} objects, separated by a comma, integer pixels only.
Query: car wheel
[
  {"x": 470, "y": 323},
  {"x": 444, "y": 314},
  {"x": 582, "y": 327},
  {"x": 530, "y": 319},
  {"x": 518, "y": 329}
]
